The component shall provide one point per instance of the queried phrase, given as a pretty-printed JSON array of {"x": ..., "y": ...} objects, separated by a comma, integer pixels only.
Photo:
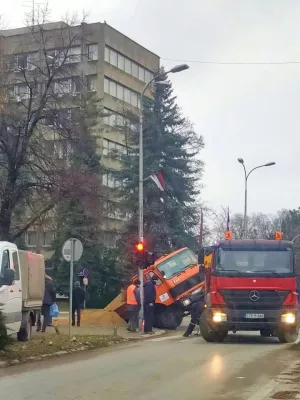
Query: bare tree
[
  {"x": 259, "y": 225},
  {"x": 44, "y": 107}
]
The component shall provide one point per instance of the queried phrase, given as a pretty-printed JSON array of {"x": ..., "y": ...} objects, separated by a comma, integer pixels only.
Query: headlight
[
  {"x": 219, "y": 316},
  {"x": 288, "y": 318},
  {"x": 186, "y": 302}
]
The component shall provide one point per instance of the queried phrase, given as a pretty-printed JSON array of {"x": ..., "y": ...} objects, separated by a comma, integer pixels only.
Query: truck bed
[{"x": 32, "y": 267}]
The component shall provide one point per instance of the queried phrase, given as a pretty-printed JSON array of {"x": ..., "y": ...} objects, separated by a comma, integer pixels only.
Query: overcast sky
[{"x": 249, "y": 111}]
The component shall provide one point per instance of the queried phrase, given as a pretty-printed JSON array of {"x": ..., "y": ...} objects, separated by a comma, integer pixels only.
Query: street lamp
[
  {"x": 241, "y": 161},
  {"x": 158, "y": 79}
]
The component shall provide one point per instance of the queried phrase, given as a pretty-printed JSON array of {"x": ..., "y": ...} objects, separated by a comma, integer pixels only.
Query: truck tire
[
  {"x": 208, "y": 334},
  {"x": 287, "y": 336},
  {"x": 25, "y": 331},
  {"x": 168, "y": 318}
]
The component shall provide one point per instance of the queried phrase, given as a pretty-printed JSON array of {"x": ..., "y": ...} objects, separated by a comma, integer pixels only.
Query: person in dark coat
[
  {"x": 77, "y": 302},
  {"x": 48, "y": 300},
  {"x": 149, "y": 304},
  {"x": 196, "y": 311}
]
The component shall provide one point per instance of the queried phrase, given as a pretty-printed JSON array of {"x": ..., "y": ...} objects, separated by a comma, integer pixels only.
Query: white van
[{"x": 22, "y": 285}]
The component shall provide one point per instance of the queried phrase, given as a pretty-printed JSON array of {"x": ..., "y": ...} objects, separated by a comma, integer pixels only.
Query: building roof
[{"x": 24, "y": 30}]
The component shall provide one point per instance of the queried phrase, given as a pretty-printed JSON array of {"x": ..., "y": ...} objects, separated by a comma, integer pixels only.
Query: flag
[
  {"x": 228, "y": 221},
  {"x": 158, "y": 179}
]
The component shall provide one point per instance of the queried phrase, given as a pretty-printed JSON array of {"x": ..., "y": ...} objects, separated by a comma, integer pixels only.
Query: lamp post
[
  {"x": 241, "y": 161},
  {"x": 158, "y": 79}
]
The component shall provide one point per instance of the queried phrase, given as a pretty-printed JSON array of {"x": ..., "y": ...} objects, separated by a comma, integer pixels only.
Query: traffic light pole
[{"x": 141, "y": 206}]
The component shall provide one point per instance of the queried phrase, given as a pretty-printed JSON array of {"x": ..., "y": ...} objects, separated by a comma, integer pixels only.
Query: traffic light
[
  {"x": 139, "y": 247},
  {"x": 140, "y": 254}
]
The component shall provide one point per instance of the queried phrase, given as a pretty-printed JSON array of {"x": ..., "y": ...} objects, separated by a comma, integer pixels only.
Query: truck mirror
[
  {"x": 201, "y": 257},
  {"x": 8, "y": 277}
]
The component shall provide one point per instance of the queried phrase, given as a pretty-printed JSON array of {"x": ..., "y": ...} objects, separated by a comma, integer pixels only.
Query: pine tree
[{"x": 172, "y": 146}]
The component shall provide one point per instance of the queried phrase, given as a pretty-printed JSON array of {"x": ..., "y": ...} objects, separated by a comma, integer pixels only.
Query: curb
[
  {"x": 9, "y": 363},
  {"x": 144, "y": 337}
]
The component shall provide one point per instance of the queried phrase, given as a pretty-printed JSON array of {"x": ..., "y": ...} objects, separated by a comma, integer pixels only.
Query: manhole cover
[{"x": 287, "y": 394}]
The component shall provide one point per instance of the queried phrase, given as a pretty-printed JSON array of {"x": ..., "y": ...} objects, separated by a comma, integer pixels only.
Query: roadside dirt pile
[{"x": 97, "y": 318}]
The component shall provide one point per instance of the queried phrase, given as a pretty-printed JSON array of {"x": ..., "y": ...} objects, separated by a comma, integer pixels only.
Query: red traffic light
[{"x": 139, "y": 246}]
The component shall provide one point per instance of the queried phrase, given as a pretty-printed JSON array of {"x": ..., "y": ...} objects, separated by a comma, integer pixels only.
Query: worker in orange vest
[{"x": 133, "y": 305}]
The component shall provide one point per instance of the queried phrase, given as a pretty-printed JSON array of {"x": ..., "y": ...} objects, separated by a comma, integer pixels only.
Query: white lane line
[{"x": 165, "y": 338}]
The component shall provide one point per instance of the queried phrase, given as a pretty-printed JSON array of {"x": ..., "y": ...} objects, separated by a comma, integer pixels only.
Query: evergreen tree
[{"x": 172, "y": 146}]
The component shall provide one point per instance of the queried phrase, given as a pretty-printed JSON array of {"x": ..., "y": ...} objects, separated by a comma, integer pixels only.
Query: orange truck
[{"x": 178, "y": 280}]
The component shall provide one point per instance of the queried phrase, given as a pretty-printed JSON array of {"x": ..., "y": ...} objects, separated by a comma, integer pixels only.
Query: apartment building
[{"x": 115, "y": 67}]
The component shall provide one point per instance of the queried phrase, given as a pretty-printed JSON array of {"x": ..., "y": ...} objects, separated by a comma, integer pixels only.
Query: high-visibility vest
[{"x": 131, "y": 300}]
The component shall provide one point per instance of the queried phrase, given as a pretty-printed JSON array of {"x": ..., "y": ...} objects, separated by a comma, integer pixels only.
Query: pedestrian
[
  {"x": 196, "y": 311},
  {"x": 77, "y": 302},
  {"x": 48, "y": 300},
  {"x": 133, "y": 305},
  {"x": 149, "y": 306}
]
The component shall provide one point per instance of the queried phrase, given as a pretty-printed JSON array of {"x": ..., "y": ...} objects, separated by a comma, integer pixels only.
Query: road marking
[{"x": 165, "y": 338}]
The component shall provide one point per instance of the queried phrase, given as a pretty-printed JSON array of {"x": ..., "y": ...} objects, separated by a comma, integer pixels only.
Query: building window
[
  {"x": 92, "y": 52},
  {"x": 114, "y": 149},
  {"x": 21, "y": 91},
  {"x": 31, "y": 238},
  {"x": 74, "y": 55},
  {"x": 121, "y": 92},
  {"x": 63, "y": 86},
  {"x": 106, "y": 54},
  {"x": 126, "y": 64},
  {"x": 21, "y": 62},
  {"x": 116, "y": 120},
  {"x": 48, "y": 238},
  {"x": 91, "y": 83},
  {"x": 109, "y": 181},
  {"x": 66, "y": 86}
]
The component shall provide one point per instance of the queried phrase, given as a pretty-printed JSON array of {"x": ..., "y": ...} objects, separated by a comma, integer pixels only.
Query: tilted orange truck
[{"x": 178, "y": 280}]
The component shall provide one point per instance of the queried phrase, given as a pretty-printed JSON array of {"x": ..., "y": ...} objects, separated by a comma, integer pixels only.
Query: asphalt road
[{"x": 160, "y": 368}]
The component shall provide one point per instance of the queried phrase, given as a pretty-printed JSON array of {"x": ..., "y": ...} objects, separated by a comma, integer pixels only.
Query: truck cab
[
  {"x": 250, "y": 285},
  {"x": 10, "y": 286},
  {"x": 178, "y": 280},
  {"x": 22, "y": 284}
]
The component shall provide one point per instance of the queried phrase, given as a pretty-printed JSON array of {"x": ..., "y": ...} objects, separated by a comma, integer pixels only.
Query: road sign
[
  {"x": 72, "y": 251},
  {"x": 85, "y": 281},
  {"x": 85, "y": 272},
  {"x": 77, "y": 249}
]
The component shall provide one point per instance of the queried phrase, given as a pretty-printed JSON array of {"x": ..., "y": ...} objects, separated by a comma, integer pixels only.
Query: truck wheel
[
  {"x": 168, "y": 319},
  {"x": 208, "y": 334},
  {"x": 287, "y": 336},
  {"x": 25, "y": 331}
]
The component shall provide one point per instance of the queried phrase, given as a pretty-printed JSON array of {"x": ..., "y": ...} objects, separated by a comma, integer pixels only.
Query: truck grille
[
  {"x": 240, "y": 299},
  {"x": 185, "y": 285}
]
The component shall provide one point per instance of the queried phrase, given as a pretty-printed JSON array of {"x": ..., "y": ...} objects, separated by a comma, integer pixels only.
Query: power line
[{"x": 233, "y": 62}]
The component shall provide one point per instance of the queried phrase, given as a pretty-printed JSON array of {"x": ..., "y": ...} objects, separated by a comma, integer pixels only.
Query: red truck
[{"x": 250, "y": 285}]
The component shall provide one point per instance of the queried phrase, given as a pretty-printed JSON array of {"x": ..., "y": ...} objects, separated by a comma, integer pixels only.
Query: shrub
[{"x": 3, "y": 332}]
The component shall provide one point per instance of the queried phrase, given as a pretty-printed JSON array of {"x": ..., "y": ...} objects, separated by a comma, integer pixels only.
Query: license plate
[{"x": 255, "y": 316}]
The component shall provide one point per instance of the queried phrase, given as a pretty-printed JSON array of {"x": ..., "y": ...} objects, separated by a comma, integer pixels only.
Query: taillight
[
  {"x": 291, "y": 299},
  {"x": 216, "y": 298}
]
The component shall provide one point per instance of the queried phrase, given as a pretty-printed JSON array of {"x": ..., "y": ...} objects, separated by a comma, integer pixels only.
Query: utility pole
[{"x": 201, "y": 230}]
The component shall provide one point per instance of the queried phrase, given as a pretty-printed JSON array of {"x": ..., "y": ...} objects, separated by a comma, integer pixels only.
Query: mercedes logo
[{"x": 254, "y": 295}]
